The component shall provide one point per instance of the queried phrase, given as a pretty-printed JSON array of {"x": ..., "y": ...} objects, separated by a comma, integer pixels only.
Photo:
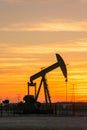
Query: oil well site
[{"x": 31, "y": 105}]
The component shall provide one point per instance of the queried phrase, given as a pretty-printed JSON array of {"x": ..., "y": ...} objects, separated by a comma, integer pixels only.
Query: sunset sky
[{"x": 31, "y": 33}]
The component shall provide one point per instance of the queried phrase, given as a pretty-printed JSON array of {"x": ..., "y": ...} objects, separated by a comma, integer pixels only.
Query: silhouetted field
[{"x": 59, "y": 109}]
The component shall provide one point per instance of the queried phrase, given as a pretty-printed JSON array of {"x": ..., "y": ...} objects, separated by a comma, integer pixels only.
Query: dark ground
[{"x": 43, "y": 123}]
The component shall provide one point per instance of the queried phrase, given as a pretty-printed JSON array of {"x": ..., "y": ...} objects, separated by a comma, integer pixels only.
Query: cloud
[
  {"x": 83, "y": 1},
  {"x": 16, "y": 51},
  {"x": 10, "y": 1},
  {"x": 48, "y": 26}
]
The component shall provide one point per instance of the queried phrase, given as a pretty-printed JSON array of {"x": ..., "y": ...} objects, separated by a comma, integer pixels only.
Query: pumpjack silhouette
[{"x": 60, "y": 63}]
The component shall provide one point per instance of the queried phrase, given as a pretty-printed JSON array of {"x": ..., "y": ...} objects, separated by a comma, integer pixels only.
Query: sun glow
[
  {"x": 31, "y": 33},
  {"x": 19, "y": 63}
]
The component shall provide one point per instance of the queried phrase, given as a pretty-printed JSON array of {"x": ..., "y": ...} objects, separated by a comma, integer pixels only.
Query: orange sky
[{"x": 31, "y": 33}]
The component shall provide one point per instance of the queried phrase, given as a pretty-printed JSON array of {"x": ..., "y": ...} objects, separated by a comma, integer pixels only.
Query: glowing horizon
[{"x": 31, "y": 33}]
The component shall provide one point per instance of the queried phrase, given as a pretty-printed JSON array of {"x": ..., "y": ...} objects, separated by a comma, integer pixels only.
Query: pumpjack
[{"x": 60, "y": 63}]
